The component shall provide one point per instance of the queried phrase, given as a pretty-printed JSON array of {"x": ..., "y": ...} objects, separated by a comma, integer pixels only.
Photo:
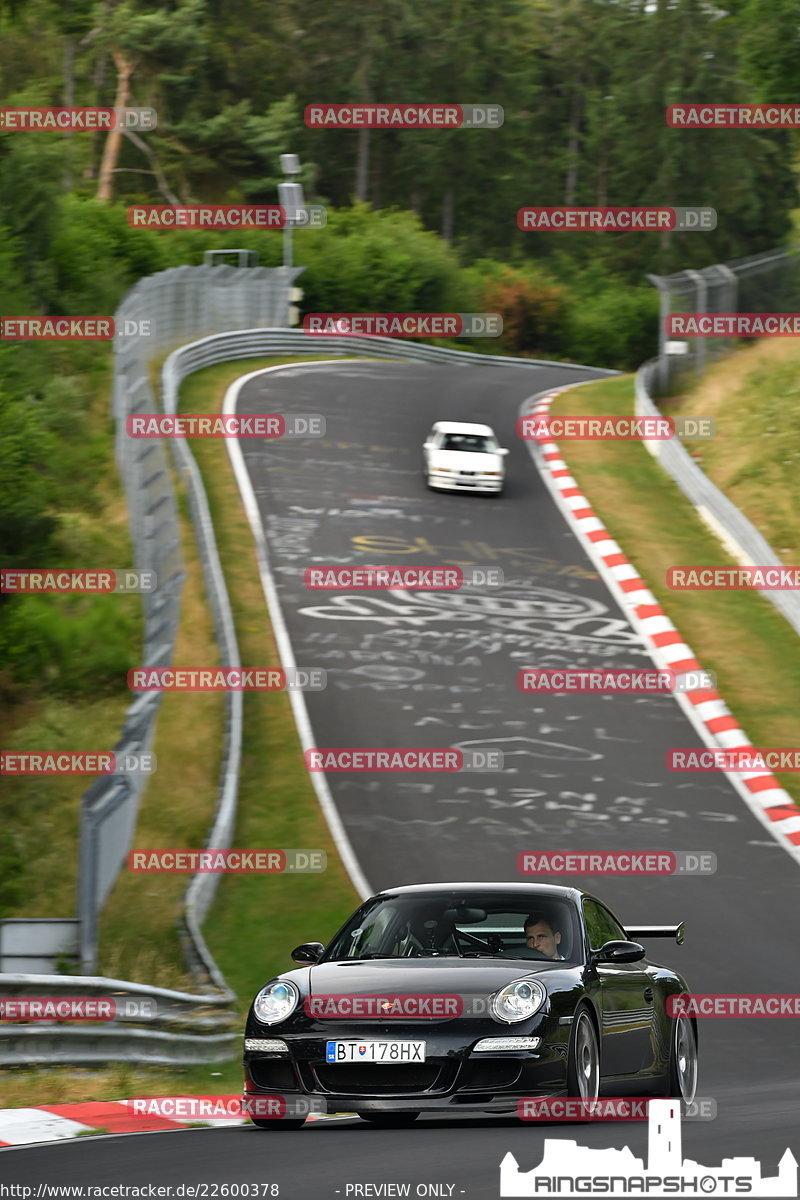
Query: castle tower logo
[{"x": 568, "y": 1169}]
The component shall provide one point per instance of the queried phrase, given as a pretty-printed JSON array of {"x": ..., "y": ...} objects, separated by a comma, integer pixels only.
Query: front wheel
[
  {"x": 390, "y": 1120},
  {"x": 683, "y": 1061},
  {"x": 583, "y": 1060}
]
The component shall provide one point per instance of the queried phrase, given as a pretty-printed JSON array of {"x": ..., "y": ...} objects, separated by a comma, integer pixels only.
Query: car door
[{"x": 627, "y": 995}]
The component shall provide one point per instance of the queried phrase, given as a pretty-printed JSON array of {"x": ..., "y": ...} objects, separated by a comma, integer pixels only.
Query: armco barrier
[
  {"x": 184, "y": 1028},
  {"x": 719, "y": 513}
]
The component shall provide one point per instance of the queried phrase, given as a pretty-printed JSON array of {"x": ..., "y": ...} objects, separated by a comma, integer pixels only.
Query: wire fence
[{"x": 768, "y": 282}]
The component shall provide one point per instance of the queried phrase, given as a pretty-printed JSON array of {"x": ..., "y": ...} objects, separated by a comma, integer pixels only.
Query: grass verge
[{"x": 739, "y": 635}]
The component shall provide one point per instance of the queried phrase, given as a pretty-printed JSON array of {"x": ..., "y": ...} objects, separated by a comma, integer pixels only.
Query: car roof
[
  {"x": 462, "y": 427},
  {"x": 553, "y": 890}
]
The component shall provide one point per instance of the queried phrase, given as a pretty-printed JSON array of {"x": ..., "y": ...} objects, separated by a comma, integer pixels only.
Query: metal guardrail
[
  {"x": 159, "y": 311},
  {"x": 152, "y": 1024},
  {"x": 716, "y": 509}
]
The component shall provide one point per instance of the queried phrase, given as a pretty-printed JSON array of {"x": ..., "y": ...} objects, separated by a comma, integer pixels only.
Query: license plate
[{"x": 382, "y": 1052}]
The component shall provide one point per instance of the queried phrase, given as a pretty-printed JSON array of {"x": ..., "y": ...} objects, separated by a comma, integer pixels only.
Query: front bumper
[
  {"x": 453, "y": 1077},
  {"x": 456, "y": 483}
]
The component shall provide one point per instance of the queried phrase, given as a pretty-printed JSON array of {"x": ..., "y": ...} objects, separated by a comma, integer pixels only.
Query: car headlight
[
  {"x": 518, "y": 1000},
  {"x": 276, "y": 1001}
]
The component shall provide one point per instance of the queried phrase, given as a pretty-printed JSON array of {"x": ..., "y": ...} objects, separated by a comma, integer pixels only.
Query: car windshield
[
  {"x": 461, "y": 925},
  {"x": 473, "y": 443}
]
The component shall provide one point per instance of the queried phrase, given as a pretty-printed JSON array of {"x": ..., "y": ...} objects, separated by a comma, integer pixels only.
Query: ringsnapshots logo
[
  {"x": 407, "y": 758},
  {"x": 76, "y": 1008},
  {"x": 385, "y": 115},
  {"x": 76, "y": 762},
  {"x": 225, "y": 425},
  {"x": 227, "y": 862},
  {"x": 568, "y": 1169},
  {"x": 403, "y": 325},
  {"x": 616, "y": 219},
  {"x": 227, "y": 679},
  {"x": 617, "y": 862},
  {"x": 613, "y": 681},
  {"x": 335, "y": 578},
  {"x": 76, "y": 582},
  {"x": 80, "y": 119}
]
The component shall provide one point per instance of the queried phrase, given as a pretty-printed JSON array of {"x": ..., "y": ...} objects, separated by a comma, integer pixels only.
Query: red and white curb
[
  {"x": 705, "y": 708},
  {"x": 55, "y": 1122}
]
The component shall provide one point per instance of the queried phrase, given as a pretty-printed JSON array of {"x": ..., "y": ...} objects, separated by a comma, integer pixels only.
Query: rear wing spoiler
[{"x": 666, "y": 931}]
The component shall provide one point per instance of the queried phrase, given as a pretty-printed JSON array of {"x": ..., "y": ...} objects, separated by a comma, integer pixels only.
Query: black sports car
[{"x": 467, "y": 996}]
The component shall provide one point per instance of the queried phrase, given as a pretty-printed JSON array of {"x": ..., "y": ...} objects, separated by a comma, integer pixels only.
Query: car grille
[
  {"x": 485, "y": 1076},
  {"x": 271, "y": 1073},
  {"x": 377, "y": 1080}
]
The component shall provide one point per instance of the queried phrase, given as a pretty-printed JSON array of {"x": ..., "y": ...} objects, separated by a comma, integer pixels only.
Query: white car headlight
[
  {"x": 276, "y": 1002},
  {"x": 518, "y": 1000}
]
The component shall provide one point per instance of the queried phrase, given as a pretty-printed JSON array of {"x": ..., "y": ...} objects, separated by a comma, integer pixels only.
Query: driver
[{"x": 542, "y": 935}]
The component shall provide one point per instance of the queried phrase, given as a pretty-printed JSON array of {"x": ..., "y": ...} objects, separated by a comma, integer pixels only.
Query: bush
[{"x": 69, "y": 646}]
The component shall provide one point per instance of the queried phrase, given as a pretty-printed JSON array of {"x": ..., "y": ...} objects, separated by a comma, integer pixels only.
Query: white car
[{"x": 461, "y": 457}]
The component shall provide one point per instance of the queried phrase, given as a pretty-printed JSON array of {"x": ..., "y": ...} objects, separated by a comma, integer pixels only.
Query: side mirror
[
  {"x": 311, "y": 952},
  {"x": 427, "y": 446},
  {"x": 502, "y": 450},
  {"x": 619, "y": 952}
]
